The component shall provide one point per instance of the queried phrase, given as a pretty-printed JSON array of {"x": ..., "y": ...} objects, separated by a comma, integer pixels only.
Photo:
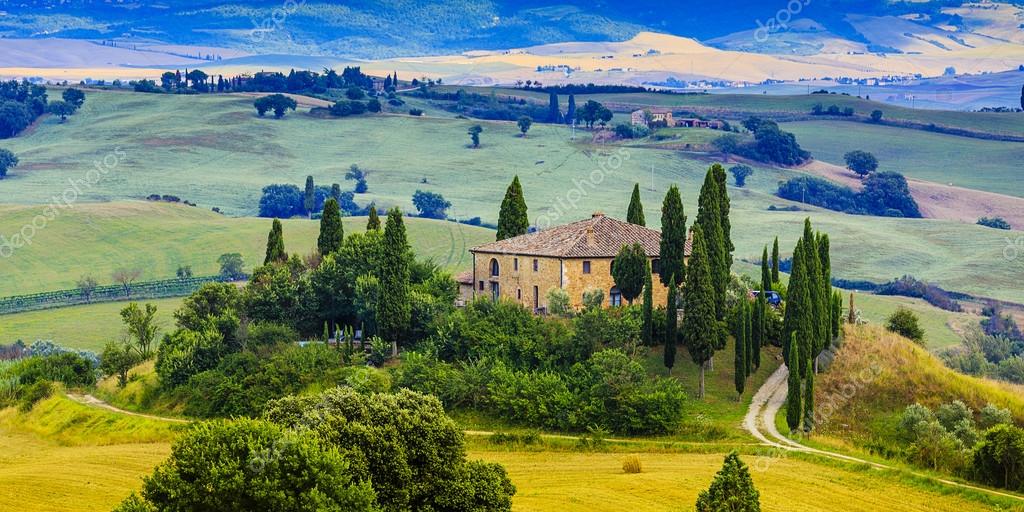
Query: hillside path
[
  {"x": 760, "y": 422},
  {"x": 92, "y": 401}
]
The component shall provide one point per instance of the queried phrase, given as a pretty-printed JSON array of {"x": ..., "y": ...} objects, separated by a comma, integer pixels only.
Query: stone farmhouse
[{"x": 575, "y": 257}]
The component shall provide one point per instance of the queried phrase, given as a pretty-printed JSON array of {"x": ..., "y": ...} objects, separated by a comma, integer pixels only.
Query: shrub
[
  {"x": 39, "y": 390},
  {"x": 992, "y": 415},
  {"x": 631, "y": 464},
  {"x": 68, "y": 368},
  {"x": 243, "y": 465},
  {"x": 404, "y": 444},
  {"x": 732, "y": 489},
  {"x": 558, "y": 303},
  {"x": 186, "y": 353},
  {"x": 994, "y": 222},
  {"x": 905, "y": 323},
  {"x": 997, "y": 458},
  {"x": 740, "y": 174}
]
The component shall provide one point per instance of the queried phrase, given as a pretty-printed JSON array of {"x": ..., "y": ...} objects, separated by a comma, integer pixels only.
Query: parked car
[{"x": 773, "y": 298}]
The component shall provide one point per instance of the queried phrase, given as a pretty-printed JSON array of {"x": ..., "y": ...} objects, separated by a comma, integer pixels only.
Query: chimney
[
  {"x": 591, "y": 239},
  {"x": 596, "y": 215}
]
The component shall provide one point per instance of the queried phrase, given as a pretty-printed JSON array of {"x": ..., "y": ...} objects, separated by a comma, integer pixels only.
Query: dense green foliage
[
  {"x": 884, "y": 194},
  {"x": 404, "y": 445},
  {"x": 732, "y": 489},
  {"x": 497, "y": 357},
  {"x": 242, "y": 465}
]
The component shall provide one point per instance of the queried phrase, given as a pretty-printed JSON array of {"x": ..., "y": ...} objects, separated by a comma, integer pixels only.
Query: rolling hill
[{"x": 214, "y": 151}]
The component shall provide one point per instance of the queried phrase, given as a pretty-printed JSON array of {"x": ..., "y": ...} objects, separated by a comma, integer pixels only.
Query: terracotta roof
[
  {"x": 464, "y": 277},
  {"x": 597, "y": 237}
]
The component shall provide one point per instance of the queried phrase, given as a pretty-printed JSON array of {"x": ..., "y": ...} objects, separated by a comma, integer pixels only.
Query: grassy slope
[
  {"x": 942, "y": 328},
  {"x": 979, "y": 164},
  {"x": 87, "y": 327},
  {"x": 876, "y": 363},
  {"x": 226, "y": 167},
  {"x": 158, "y": 237}
]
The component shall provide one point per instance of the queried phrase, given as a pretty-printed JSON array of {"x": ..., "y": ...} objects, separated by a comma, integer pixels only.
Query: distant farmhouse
[
  {"x": 574, "y": 257},
  {"x": 660, "y": 117}
]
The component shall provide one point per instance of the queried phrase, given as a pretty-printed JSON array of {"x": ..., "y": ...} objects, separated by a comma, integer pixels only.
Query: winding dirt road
[{"x": 760, "y": 422}]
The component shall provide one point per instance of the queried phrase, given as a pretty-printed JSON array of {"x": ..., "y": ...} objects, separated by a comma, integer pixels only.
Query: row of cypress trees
[
  {"x": 704, "y": 279},
  {"x": 811, "y": 322}
]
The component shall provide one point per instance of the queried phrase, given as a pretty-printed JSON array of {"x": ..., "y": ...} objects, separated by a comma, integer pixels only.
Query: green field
[
  {"x": 733, "y": 105},
  {"x": 87, "y": 327},
  {"x": 992, "y": 166},
  {"x": 96, "y": 239},
  {"x": 942, "y": 328},
  {"x": 564, "y": 180}
]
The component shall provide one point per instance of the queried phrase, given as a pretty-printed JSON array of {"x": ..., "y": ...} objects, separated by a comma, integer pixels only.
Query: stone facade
[{"x": 524, "y": 269}]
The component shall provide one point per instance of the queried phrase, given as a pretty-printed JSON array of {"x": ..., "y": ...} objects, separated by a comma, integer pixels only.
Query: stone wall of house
[
  {"x": 600, "y": 276},
  {"x": 518, "y": 281},
  {"x": 516, "y": 277}
]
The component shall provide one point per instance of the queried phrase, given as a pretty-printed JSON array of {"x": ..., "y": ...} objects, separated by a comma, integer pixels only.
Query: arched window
[{"x": 494, "y": 268}]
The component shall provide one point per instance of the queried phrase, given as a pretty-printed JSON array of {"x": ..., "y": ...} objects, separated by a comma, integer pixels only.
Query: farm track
[{"x": 760, "y": 422}]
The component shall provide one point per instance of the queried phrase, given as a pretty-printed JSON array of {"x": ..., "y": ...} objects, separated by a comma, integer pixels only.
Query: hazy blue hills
[{"x": 387, "y": 28}]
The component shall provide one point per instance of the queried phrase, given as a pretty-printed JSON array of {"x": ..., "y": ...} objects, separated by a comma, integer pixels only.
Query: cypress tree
[
  {"x": 759, "y": 338},
  {"x": 570, "y": 114},
  {"x": 793, "y": 405},
  {"x": 732, "y": 489},
  {"x": 825, "y": 261},
  {"x": 554, "y": 114},
  {"x": 775, "y": 261},
  {"x": 794, "y": 300},
  {"x": 837, "y": 313},
  {"x": 635, "y": 213},
  {"x": 648, "y": 308},
  {"x": 673, "y": 238},
  {"x": 309, "y": 198},
  {"x": 748, "y": 335},
  {"x": 723, "y": 207},
  {"x": 373, "y": 222},
  {"x": 629, "y": 270},
  {"x": 701, "y": 331},
  {"x": 739, "y": 334},
  {"x": 393, "y": 310},
  {"x": 809, "y": 401},
  {"x": 331, "y": 230},
  {"x": 512, "y": 218},
  {"x": 766, "y": 275},
  {"x": 671, "y": 331},
  {"x": 275, "y": 245},
  {"x": 336, "y": 192},
  {"x": 710, "y": 220},
  {"x": 814, "y": 315}
]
